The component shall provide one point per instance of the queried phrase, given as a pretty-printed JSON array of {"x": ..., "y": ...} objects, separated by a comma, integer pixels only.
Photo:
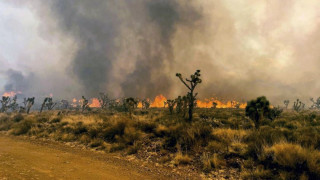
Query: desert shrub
[
  {"x": 216, "y": 147},
  {"x": 262, "y": 137},
  {"x": 56, "y": 120},
  {"x": 182, "y": 159},
  {"x": 116, "y": 129},
  {"x": 117, "y": 147},
  {"x": 188, "y": 136},
  {"x": 5, "y": 123},
  {"x": 85, "y": 139},
  {"x": 79, "y": 128},
  {"x": 68, "y": 137},
  {"x": 22, "y": 127},
  {"x": 210, "y": 162},
  {"x": 18, "y": 117},
  {"x": 238, "y": 149},
  {"x": 148, "y": 127},
  {"x": 94, "y": 131},
  {"x": 96, "y": 143},
  {"x": 275, "y": 113},
  {"x": 129, "y": 136},
  {"x": 134, "y": 148},
  {"x": 279, "y": 122},
  {"x": 293, "y": 157},
  {"x": 308, "y": 137},
  {"x": 257, "y": 173},
  {"x": 42, "y": 119},
  {"x": 161, "y": 130}
]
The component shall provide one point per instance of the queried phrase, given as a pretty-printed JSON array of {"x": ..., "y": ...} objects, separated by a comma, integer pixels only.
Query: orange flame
[
  {"x": 11, "y": 94},
  {"x": 159, "y": 101},
  {"x": 208, "y": 103},
  {"x": 140, "y": 105},
  {"x": 94, "y": 103}
]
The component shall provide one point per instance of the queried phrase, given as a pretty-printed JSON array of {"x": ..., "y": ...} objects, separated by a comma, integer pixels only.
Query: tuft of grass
[
  {"x": 257, "y": 173},
  {"x": 293, "y": 157},
  {"x": 182, "y": 159},
  {"x": 96, "y": 143},
  {"x": 210, "y": 163}
]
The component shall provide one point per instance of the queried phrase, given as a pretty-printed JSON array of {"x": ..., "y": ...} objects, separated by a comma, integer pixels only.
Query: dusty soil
[{"x": 24, "y": 158}]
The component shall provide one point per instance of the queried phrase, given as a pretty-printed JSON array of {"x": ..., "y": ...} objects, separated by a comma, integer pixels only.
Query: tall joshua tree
[
  {"x": 104, "y": 100},
  {"x": 171, "y": 104},
  {"x": 14, "y": 106},
  {"x": 298, "y": 105},
  {"x": 84, "y": 104},
  {"x": 47, "y": 103},
  {"x": 5, "y": 103},
  {"x": 214, "y": 105},
  {"x": 191, "y": 84},
  {"x": 286, "y": 103},
  {"x": 146, "y": 103},
  {"x": 28, "y": 103}
]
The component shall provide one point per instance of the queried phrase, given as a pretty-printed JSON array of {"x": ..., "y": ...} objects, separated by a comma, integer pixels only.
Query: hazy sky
[{"x": 134, "y": 48}]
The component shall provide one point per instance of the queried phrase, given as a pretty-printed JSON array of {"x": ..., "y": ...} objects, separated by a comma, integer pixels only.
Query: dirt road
[{"x": 26, "y": 159}]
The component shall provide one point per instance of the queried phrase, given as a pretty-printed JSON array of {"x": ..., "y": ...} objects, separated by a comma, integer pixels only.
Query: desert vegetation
[{"x": 258, "y": 142}]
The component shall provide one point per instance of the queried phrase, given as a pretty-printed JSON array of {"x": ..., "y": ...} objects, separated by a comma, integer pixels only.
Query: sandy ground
[{"x": 21, "y": 158}]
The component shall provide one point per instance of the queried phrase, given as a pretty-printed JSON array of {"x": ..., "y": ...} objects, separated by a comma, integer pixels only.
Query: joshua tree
[
  {"x": 145, "y": 103},
  {"x": 170, "y": 104},
  {"x": 214, "y": 105},
  {"x": 316, "y": 104},
  {"x": 185, "y": 103},
  {"x": 47, "y": 103},
  {"x": 193, "y": 82},
  {"x": 114, "y": 104},
  {"x": 298, "y": 106},
  {"x": 237, "y": 105},
  {"x": 5, "y": 103},
  {"x": 286, "y": 103},
  {"x": 104, "y": 100},
  {"x": 50, "y": 104},
  {"x": 258, "y": 109},
  {"x": 130, "y": 104},
  {"x": 179, "y": 103},
  {"x": 84, "y": 104},
  {"x": 14, "y": 105},
  {"x": 28, "y": 103},
  {"x": 64, "y": 104},
  {"x": 275, "y": 112}
]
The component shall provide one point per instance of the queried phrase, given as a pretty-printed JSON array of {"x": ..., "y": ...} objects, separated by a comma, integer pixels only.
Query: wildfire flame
[
  {"x": 208, "y": 103},
  {"x": 140, "y": 105},
  {"x": 11, "y": 94},
  {"x": 158, "y": 101},
  {"x": 94, "y": 103}
]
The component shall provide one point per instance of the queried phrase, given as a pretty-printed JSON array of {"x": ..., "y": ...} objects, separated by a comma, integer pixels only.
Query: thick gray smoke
[
  {"x": 106, "y": 30},
  {"x": 134, "y": 48}
]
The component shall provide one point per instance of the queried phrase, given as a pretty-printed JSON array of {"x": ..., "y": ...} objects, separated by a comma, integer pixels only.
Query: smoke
[{"x": 134, "y": 48}]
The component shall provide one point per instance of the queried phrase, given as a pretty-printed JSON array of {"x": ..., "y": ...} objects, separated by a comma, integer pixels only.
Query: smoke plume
[{"x": 134, "y": 48}]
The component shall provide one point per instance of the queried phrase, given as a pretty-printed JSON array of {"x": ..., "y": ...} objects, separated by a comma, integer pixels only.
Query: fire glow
[
  {"x": 10, "y": 94},
  {"x": 159, "y": 102},
  {"x": 94, "y": 103}
]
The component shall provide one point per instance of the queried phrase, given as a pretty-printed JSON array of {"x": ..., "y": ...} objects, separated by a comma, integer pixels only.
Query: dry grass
[{"x": 290, "y": 143}]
